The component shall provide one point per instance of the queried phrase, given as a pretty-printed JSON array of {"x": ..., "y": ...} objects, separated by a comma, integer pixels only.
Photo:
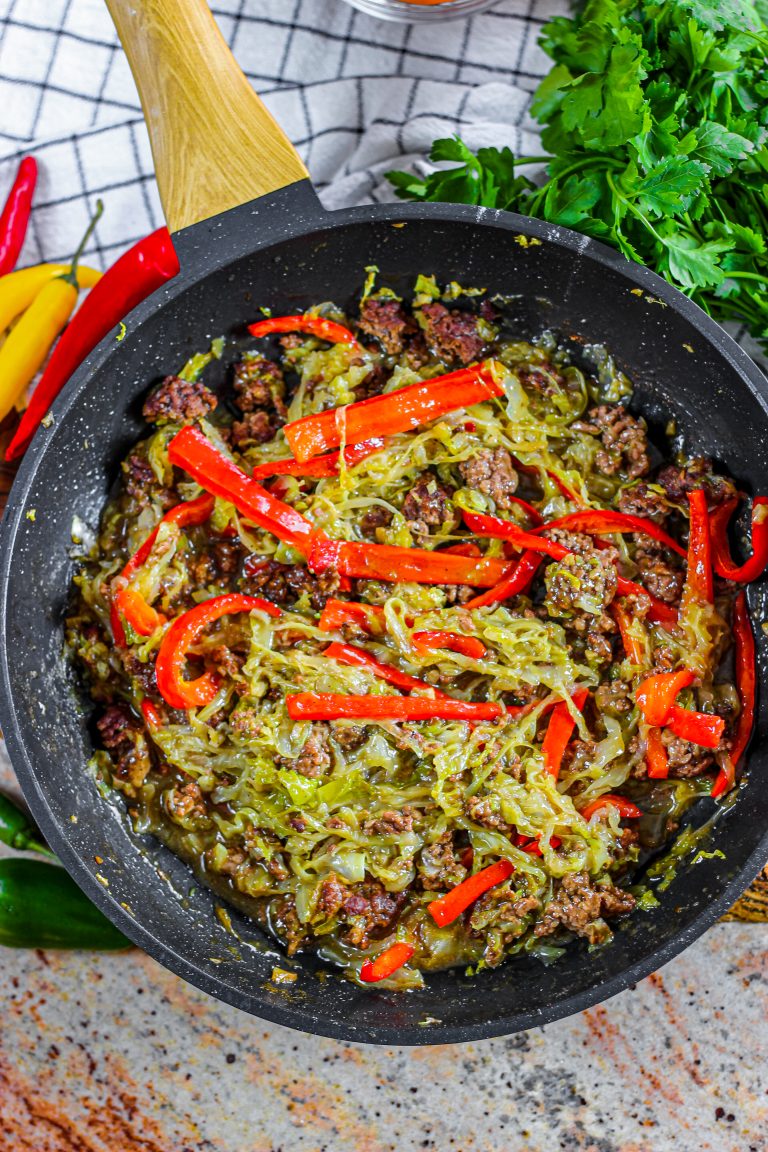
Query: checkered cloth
[{"x": 356, "y": 95}]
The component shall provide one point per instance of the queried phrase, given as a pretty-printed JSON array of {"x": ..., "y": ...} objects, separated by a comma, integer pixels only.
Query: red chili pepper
[
  {"x": 387, "y": 962},
  {"x": 138, "y": 273},
  {"x": 722, "y": 561},
  {"x": 516, "y": 583},
  {"x": 656, "y": 694},
  {"x": 312, "y": 325},
  {"x": 632, "y": 646},
  {"x": 321, "y": 466},
  {"x": 698, "y": 582},
  {"x": 150, "y": 714},
  {"x": 656, "y": 759},
  {"x": 448, "y": 908},
  {"x": 188, "y": 513},
  {"x": 180, "y": 637},
  {"x": 398, "y": 411},
  {"x": 606, "y": 522},
  {"x": 359, "y": 658},
  {"x": 15, "y": 215},
  {"x": 696, "y": 727},
  {"x": 626, "y": 809},
  {"x": 336, "y": 613},
  {"x": 453, "y": 641},
  {"x": 191, "y": 451},
  {"x": 746, "y": 685},
  {"x": 390, "y": 563},
  {"x": 328, "y": 706},
  {"x": 559, "y": 731}
]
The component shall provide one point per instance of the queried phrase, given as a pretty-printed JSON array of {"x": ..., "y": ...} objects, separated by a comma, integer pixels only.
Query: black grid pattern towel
[{"x": 356, "y": 95}]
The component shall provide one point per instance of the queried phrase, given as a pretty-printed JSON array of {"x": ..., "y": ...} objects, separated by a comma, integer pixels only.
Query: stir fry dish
[{"x": 410, "y": 641}]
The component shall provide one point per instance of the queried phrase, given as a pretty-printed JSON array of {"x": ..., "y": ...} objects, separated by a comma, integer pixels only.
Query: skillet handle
[{"x": 214, "y": 144}]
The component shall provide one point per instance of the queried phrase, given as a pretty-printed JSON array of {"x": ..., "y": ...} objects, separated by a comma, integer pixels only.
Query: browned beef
[
  {"x": 389, "y": 823},
  {"x": 387, "y": 322},
  {"x": 429, "y": 505},
  {"x": 624, "y": 440},
  {"x": 185, "y": 800},
  {"x": 255, "y": 428},
  {"x": 677, "y": 482},
  {"x": 614, "y": 697},
  {"x": 483, "y": 811},
  {"x": 580, "y": 584},
  {"x": 284, "y": 583},
  {"x": 452, "y": 336},
  {"x": 179, "y": 401},
  {"x": 314, "y": 759},
  {"x": 375, "y": 517},
  {"x": 226, "y": 662},
  {"x": 439, "y": 867},
  {"x": 141, "y": 483},
  {"x": 370, "y": 911},
  {"x": 578, "y": 906},
  {"x": 641, "y": 500},
  {"x": 685, "y": 759},
  {"x": 490, "y": 471},
  {"x": 500, "y": 920},
  {"x": 258, "y": 383},
  {"x": 349, "y": 736},
  {"x": 656, "y": 573},
  {"x": 123, "y": 736}
]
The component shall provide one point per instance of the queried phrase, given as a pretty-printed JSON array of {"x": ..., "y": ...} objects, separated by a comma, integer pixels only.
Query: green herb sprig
[{"x": 655, "y": 116}]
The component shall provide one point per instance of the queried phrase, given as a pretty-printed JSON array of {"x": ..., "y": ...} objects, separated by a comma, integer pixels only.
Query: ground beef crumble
[
  {"x": 179, "y": 401},
  {"x": 491, "y": 472},
  {"x": 452, "y": 335},
  {"x": 578, "y": 906},
  {"x": 624, "y": 440},
  {"x": 429, "y": 505}
]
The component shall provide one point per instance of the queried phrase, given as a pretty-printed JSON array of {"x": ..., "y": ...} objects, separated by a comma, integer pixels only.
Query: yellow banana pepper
[
  {"x": 18, "y": 289},
  {"x": 29, "y": 342}
]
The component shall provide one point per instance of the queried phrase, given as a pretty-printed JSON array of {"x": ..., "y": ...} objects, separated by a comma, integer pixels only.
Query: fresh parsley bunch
[{"x": 655, "y": 116}]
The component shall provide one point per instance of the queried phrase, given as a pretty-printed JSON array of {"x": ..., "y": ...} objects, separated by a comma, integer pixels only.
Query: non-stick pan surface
[{"x": 285, "y": 251}]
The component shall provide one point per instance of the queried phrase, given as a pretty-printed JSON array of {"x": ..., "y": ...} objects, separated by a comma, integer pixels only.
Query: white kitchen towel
[{"x": 356, "y": 95}]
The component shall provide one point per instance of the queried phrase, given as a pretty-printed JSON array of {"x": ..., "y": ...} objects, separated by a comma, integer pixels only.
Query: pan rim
[{"x": 410, "y": 1035}]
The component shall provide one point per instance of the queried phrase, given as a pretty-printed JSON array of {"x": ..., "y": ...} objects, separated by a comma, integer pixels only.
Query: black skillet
[{"x": 215, "y": 150}]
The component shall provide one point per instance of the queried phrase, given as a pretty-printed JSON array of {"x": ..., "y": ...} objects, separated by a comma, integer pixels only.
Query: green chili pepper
[
  {"x": 42, "y": 907},
  {"x": 18, "y": 831}
]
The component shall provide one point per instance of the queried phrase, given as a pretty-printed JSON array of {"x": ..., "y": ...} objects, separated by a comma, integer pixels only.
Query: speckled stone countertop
[{"x": 114, "y": 1054}]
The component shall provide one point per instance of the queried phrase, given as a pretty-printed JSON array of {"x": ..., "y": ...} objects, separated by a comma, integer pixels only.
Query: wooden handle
[{"x": 214, "y": 144}]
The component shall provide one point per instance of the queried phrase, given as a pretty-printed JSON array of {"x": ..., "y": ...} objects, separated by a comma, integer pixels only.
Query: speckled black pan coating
[{"x": 285, "y": 251}]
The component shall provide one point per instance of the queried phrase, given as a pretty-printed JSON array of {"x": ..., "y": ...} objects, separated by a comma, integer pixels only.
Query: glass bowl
[{"x": 420, "y": 12}]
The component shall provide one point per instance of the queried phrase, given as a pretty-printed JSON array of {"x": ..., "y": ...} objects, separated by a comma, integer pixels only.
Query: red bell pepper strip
[
  {"x": 722, "y": 561},
  {"x": 15, "y": 215},
  {"x": 658, "y": 613},
  {"x": 632, "y": 646},
  {"x": 188, "y": 513},
  {"x": 359, "y": 658},
  {"x": 180, "y": 637},
  {"x": 626, "y": 809},
  {"x": 191, "y": 451},
  {"x": 453, "y": 641},
  {"x": 697, "y": 727},
  {"x": 150, "y": 714},
  {"x": 656, "y": 694},
  {"x": 448, "y": 908},
  {"x": 698, "y": 583},
  {"x": 533, "y": 846},
  {"x": 321, "y": 466},
  {"x": 328, "y": 706},
  {"x": 312, "y": 325},
  {"x": 559, "y": 731},
  {"x": 746, "y": 685},
  {"x": 516, "y": 583},
  {"x": 136, "y": 275},
  {"x": 386, "y": 963},
  {"x": 398, "y": 411},
  {"x": 605, "y": 522},
  {"x": 142, "y": 617},
  {"x": 467, "y": 549},
  {"x": 656, "y": 759},
  {"x": 369, "y": 617},
  {"x": 392, "y": 564}
]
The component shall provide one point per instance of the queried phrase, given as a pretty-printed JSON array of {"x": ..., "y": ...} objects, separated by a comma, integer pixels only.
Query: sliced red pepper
[
  {"x": 656, "y": 759},
  {"x": 142, "y": 617},
  {"x": 448, "y": 908},
  {"x": 658, "y": 613},
  {"x": 516, "y": 583},
  {"x": 321, "y": 466},
  {"x": 753, "y": 568},
  {"x": 150, "y": 714},
  {"x": 180, "y": 637},
  {"x": 392, "y": 564},
  {"x": 559, "y": 731},
  {"x": 398, "y": 411},
  {"x": 453, "y": 641},
  {"x": 15, "y": 215},
  {"x": 746, "y": 685},
  {"x": 312, "y": 325},
  {"x": 698, "y": 582},
  {"x": 359, "y": 658},
  {"x": 467, "y": 549},
  {"x": 386, "y": 963},
  {"x": 632, "y": 646},
  {"x": 186, "y": 514},
  {"x": 336, "y": 613},
  {"x": 213, "y": 471},
  {"x": 656, "y": 694},
  {"x": 697, "y": 727},
  {"x": 533, "y": 846},
  {"x": 137, "y": 274},
  {"x": 328, "y": 706},
  {"x": 626, "y": 809},
  {"x": 606, "y": 522}
]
